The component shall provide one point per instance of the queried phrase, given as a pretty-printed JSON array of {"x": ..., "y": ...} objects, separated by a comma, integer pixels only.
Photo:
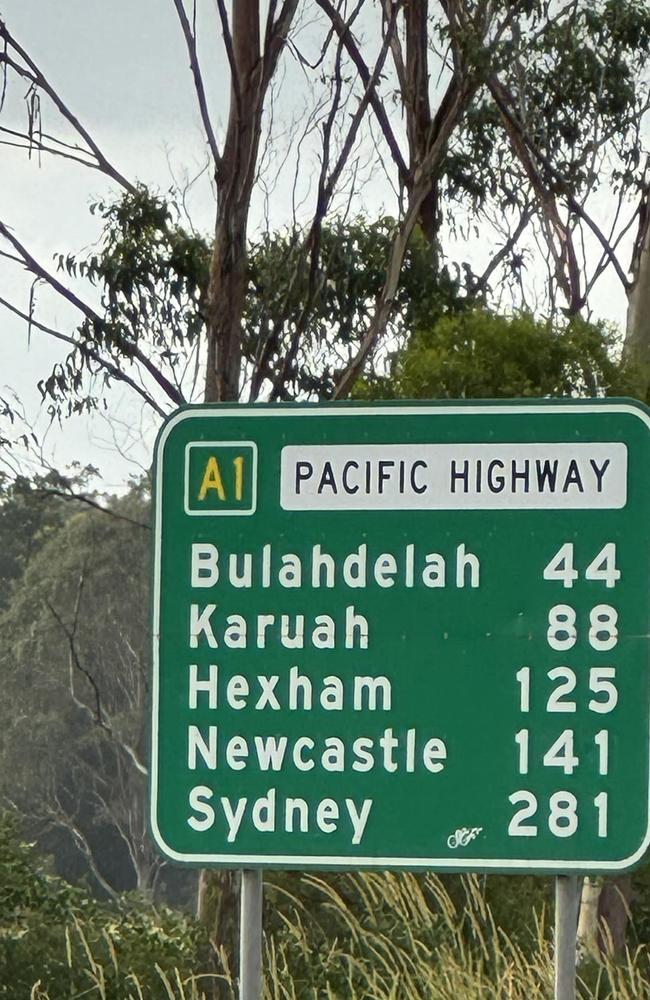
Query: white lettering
[{"x": 199, "y": 796}]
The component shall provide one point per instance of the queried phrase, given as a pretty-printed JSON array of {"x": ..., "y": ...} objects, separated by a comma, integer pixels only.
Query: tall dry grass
[{"x": 381, "y": 936}]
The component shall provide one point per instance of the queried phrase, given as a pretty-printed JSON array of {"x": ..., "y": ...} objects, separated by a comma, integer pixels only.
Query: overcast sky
[{"x": 122, "y": 68}]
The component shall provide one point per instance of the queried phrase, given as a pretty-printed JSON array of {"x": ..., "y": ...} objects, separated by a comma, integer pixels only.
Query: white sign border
[{"x": 354, "y": 861}]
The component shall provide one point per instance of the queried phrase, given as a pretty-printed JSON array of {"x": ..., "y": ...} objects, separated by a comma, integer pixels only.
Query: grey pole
[
  {"x": 567, "y": 905},
  {"x": 250, "y": 936}
]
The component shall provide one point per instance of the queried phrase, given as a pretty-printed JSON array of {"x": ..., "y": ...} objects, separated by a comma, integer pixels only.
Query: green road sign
[{"x": 406, "y": 636}]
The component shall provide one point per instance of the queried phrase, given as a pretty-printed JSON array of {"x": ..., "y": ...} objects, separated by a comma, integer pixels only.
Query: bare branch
[
  {"x": 446, "y": 120},
  {"x": 326, "y": 188},
  {"x": 370, "y": 89},
  {"x": 303, "y": 61},
  {"x": 34, "y": 74},
  {"x": 32, "y": 142},
  {"x": 85, "y": 348},
  {"x": 190, "y": 41},
  {"x": 342, "y": 30},
  {"x": 516, "y": 128},
  {"x": 61, "y": 817},
  {"x": 90, "y": 502},
  {"x": 395, "y": 47},
  {"x": 502, "y": 253},
  {"x": 615, "y": 243},
  {"x": 270, "y": 20},
  {"x": 230, "y": 53},
  {"x": 10, "y": 256},
  {"x": 277, "y": 36},
  {"x": 96, "y": 714},
  {"x": 567, "y": 270},
  {"x": 129, "y": 348}
]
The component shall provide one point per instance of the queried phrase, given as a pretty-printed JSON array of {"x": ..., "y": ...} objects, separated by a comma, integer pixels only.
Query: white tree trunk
[{"x": 637, "y": 332}]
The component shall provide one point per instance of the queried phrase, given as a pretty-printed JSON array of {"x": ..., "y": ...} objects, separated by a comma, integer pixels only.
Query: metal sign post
[
  {"x": 567, "y": 906},
  {"x": 250, "y": 935}
]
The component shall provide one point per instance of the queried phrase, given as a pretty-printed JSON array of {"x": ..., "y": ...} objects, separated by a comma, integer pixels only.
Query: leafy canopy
[{"x": 477, "y": 354}]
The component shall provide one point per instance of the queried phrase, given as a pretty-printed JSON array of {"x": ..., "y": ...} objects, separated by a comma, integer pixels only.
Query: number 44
[{"x": 603, "y": 567}]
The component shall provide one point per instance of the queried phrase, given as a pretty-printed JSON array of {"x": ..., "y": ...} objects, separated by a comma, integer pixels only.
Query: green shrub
[{"x": 56, "y": 936}]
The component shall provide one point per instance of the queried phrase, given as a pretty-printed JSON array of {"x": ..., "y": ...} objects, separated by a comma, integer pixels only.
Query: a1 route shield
[{"x": 410, "y": 635}]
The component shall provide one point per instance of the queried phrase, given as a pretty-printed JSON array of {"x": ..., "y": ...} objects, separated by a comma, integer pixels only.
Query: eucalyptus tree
[{"x": 525, "y": 119}]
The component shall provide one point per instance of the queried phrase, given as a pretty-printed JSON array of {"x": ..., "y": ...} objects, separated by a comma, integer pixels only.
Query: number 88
[{"x": 562, "y": 633}]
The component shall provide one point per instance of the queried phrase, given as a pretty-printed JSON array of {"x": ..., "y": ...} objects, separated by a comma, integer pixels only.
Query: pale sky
[{"x": 122, "y": 68}]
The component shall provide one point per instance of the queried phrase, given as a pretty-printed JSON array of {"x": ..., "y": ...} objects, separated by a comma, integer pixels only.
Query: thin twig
[
  {"x": 39, "y": 79},
  {"x": 346, "y": 36},
  {"x": 502, "y": 253},
  {"x": 85, "y": 349},
  {"x": 85, "y": 499},
  {"x": 500, "y": 96}
]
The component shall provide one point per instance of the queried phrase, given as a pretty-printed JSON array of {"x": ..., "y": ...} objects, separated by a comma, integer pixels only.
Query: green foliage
[
  {"x": 153, "y": 272},
  {"x": 59, "y": 937},
  {"x": 152, "y": 277},
  {"x": 304, "y": 322},
  {"x": 574, "y": 76},
  {"x": 315, "y": 322},
  {"x": 354, "y": 936},
  {"x": 477, "y": 354},
  {"x": 579, "y": 87},
  {"x": 392, "y": 904},
  {"x": 27, "y": 520}
]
